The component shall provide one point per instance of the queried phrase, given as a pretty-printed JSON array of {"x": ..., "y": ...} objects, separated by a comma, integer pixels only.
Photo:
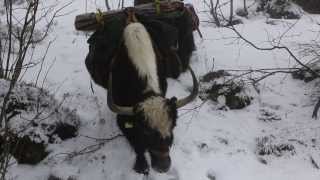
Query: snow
[
  {"x": 208, "y": 142},
  {"x": 35, "y": 113}
]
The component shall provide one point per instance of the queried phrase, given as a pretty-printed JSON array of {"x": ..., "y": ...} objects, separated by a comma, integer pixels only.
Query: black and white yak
[{"x": 136, "y": 92}]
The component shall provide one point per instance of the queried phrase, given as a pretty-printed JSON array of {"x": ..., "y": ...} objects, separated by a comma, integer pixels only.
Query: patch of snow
[{"x": 207, "y": 141}]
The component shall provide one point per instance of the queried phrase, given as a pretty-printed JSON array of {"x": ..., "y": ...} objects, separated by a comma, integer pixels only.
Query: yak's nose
[{"x": 160, "y": 161}]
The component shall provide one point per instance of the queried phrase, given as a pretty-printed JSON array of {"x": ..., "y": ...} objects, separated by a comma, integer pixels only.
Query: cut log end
[{"x": 86, "y": 22}]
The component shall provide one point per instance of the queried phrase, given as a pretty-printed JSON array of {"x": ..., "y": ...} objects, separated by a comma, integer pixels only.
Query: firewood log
[{"x": 92, "y": 21}]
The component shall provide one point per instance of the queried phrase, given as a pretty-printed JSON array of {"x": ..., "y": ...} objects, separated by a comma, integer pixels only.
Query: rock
[
  {"x": 311, "y": 6},
  {"x": 202, "y": 146},
  {"x": 267, "y": 146},
  {"x": 242, "y": 12},
  {"x": 234, "y": 21},
  {"x": 64, "y": 131},
  {"x": 272, "y": 22},
  {"x": 211, "y": 175},
  {"x": 232, "y": 92},
  {"x": 263, "y": 161},
  {"x": 44, "y": 118},
  {"x": 234, "y": 101},
  {"x": 35, "y": 119},
  {"x": 268, "y": 116},
  {"x": 211, "y": 76},
  {"x": 219, "y": 87},
  {"x": 71, "y": 178},
  {"x": 305, "y": 75},
  {"x": 24, "y": 150},
  {"x": 52, "y": 177},
  {"x": 279, "y": 9}
]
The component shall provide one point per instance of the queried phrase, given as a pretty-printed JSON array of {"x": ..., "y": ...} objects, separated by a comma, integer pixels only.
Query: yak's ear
[{"x": 173, "y": 101}]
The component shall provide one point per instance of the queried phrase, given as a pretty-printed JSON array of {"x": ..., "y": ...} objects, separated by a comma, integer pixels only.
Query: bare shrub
[{"x": 21, "y": 31}]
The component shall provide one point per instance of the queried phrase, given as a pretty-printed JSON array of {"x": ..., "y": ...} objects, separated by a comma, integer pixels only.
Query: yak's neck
[{"x": 141, "y": 53}]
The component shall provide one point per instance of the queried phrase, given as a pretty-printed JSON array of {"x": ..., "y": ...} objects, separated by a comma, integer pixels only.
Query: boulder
[
  {"x": 279, "y": 9},
  {"x": 219, "y": 86},
  {"x": 310, "y": 6},
  {"x": 35, "y": 119}
]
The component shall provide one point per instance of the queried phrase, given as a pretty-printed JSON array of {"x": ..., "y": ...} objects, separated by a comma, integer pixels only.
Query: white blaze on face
[
  {"x": 141, "y": 52},
  {"x": 156, "y": 113}
]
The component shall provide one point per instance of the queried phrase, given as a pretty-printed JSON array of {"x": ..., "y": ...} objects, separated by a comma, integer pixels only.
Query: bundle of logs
[{"x": 92, "y": 21}]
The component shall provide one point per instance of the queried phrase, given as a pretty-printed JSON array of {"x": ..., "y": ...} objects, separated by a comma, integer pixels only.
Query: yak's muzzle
[{"x": 160, "y": 160}]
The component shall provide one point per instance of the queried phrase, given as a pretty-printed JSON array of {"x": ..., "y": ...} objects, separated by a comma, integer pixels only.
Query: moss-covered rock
[
  {"x": 219, "y": 85},
  {"x": 311, "y": 6},
  {"x": 305, "y": 74},
  {"x": 23, "y": 149},
  {"x": 279, "y": 9},
  {"x": 267, "y": 145},
  {"x": 53, "y": 177},
  {"x": 35, "y": 119}
]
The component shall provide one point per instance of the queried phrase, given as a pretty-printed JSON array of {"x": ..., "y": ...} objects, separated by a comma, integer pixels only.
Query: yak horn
[
  {"x": 182, "y": 102},
  {"x": 122, "y": 110}
]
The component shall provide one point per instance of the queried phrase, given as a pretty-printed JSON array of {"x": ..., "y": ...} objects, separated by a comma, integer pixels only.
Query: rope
[
  {"x": 99, "y": 17},
  {"x": 157, "y": 3},
  {"x": 131, "y": 17}
]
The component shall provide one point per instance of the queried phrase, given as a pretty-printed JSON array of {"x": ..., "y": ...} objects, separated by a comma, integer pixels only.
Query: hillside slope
[{"x": 208, "y": 141}]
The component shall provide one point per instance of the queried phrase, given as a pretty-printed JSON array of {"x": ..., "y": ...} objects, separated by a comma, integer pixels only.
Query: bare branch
[{"x": 274, "y": 47}]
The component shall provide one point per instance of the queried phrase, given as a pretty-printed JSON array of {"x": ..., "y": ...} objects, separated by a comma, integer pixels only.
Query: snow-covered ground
[{"x": 208, "y": 142}]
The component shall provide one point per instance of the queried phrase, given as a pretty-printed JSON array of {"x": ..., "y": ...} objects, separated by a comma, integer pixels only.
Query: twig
[
  {"x": 42, "y": 61},
  {"x": 273, "y": 48},
  {"x": 314, "y": 163},
  {"x": 103, "y": 139},
  {"x": 91, "y": 148},
  {"x": 316, "y": 109}
]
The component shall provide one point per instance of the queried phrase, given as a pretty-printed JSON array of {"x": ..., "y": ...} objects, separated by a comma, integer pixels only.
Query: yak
[{"x": 137, "y": 84}]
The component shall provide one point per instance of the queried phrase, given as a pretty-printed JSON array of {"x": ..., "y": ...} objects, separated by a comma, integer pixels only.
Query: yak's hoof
[{"x": 141, "y": 166}]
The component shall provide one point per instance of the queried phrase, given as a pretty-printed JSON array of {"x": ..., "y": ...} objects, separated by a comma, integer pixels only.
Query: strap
[
  {"x": 195, "y": 19},
  {"x": 131, "y": 16},
  {"x": 99, "y": 18},
  {"x": 158, "y": 9}
]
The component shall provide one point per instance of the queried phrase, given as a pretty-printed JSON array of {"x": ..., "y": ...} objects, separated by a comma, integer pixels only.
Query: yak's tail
[{"x": 142, "y": 54}]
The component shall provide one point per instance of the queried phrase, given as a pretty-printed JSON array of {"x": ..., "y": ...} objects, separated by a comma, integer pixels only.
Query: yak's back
[{"x": 165, "y": 34}]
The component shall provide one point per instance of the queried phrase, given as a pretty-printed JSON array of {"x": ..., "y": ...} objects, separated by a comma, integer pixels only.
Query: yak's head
[{"x": 156, "y": 118}]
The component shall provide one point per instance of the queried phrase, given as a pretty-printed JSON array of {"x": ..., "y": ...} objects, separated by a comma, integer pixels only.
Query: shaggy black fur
[
  {"x": 167, "y": 34},
  {"x": 143, "y": 138},
  {"x": 127, "y": 87},
  {"x": 172, "y": 34},
  {"x": 128, "y": 90}
]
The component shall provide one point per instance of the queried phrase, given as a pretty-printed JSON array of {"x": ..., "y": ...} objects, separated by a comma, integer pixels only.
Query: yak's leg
[{"x": 136, "y": 141}]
